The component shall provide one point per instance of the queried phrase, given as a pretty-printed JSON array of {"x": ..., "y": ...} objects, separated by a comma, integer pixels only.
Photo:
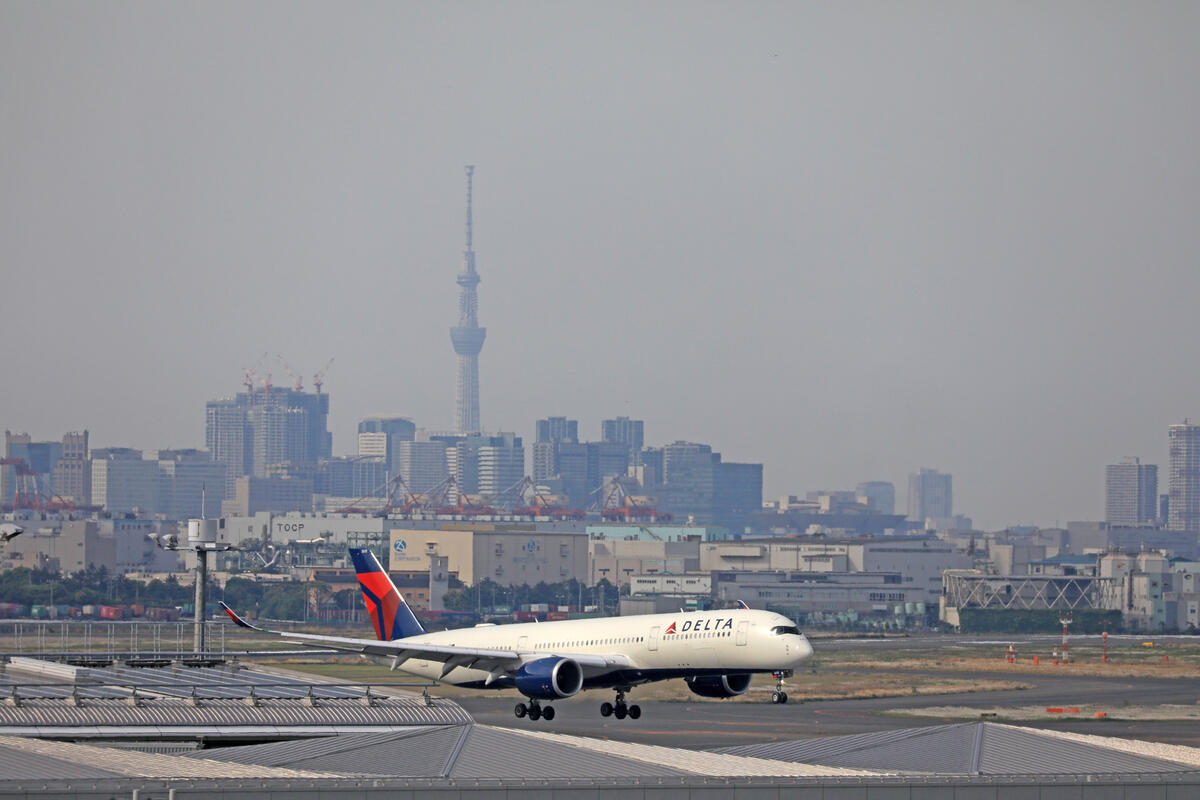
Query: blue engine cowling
[
  {"x": 549, "y": 678},
  {"x": 719, "y": 685}
]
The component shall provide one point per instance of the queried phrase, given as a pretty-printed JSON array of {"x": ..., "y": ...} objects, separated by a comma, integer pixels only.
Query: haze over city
[{"x": 843, "y": 240}]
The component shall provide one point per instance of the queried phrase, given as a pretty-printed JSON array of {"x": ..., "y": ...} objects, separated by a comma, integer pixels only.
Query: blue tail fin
[{"x": 390, "y": 615}]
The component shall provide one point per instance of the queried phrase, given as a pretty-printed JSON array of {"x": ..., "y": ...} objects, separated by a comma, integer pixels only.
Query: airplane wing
[{"x": 450, "y": 656}]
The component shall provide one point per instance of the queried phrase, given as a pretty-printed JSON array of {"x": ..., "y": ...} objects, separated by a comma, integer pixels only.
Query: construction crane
[
  {"x": 299, "y": 385},
  {"x": 319, "y": 378},
  {"x": 27, "y": 494},
  {"x": 396, "y": 494},
  {"x": 614, "y": 504}
]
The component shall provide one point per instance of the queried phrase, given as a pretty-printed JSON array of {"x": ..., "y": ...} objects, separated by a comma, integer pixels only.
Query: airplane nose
[{"x": 803, "y": 650}]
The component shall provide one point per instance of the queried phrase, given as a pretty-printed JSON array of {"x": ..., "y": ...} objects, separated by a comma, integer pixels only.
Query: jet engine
[
  {"x": 719, "y": 685},
  {"x": 549, "y": 678}
]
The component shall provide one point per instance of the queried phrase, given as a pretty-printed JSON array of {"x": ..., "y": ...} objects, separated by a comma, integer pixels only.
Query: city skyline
[{"x": 841, "y": 244}]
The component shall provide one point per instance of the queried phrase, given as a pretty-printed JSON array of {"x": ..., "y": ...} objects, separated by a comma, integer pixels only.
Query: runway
[{"x": 703, "y": 725}]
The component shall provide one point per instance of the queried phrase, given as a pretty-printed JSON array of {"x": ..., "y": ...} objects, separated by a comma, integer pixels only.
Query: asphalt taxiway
[{"x": 702, "y": 725}]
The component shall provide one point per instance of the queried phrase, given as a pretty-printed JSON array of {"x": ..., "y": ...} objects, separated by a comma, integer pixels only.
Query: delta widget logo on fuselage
[{"x": 692, "y": 625}]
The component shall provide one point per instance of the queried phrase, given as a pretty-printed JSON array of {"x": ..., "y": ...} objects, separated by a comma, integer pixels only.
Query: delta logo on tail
[{"x": 390, "y": 616}]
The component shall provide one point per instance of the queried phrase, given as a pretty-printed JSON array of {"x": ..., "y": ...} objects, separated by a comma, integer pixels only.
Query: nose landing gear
[
  {"x": 779, "y": 696},
  {"x": 534, "y": 711},
  {"x": 620, "y": 710}
]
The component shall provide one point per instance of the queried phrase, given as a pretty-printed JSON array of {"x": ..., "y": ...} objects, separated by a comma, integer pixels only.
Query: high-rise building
[
  {"x": 606, "y": 460},
  {"x": 878, "y": 496},
  {"x": 488, "y": 465},
  {"x": 557, "y": 440},
  {"x": 501, "y": 463},
  {"x": 467, "y": 337},
  {"x": 1130, "y": 492},
  {"x": 73, "y": 474},
  {"x": 380, "y": 437},
  {"x": 277, "y": 495},
  {"x": 930, "y": 495},
  {"x": 123, "y": 482},
  {"x": 553, "y": 429},
  {"x": 629, "y": 432},
  {"x": 422, "y": 465},
  {"x": 352, "y": 476},
  {"x": 190, "y": 483},
  {"x": 1184, "y": 481},
  {"x": 687, "y": 480},
  {"x": 737, "y": 493},
  {"x": 229, "y": 438},
  {"x": 257, "y": 430}
]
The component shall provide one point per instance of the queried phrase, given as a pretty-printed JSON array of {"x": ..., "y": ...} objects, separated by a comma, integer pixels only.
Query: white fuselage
[{"x": 657, "y": 645}]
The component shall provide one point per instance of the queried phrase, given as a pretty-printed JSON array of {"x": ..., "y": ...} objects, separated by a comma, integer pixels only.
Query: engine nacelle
[
  {"x": 720, "y": 685},
  {"x": 549, "y": 678}
]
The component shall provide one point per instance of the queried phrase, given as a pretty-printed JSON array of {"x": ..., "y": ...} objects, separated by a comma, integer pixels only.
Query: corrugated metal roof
[
  {"x": 460, "y": 751},
  {"x": 499, "y": 753},
  {"x": 692, "y": 761},
  {"x": 973, "y": 748},
  {"x": 1188, "y": 756},
  {"x": 50, "y": 760},
  {"x": 167, "y": 712},
  {"x": 418, "y": 752},
  {"x": 17, "y": 764},
  {"x": 1009, "y": 749}
]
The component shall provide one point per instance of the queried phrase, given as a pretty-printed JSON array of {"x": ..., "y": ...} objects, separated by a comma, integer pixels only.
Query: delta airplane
[{"x": 716, "y": 652}]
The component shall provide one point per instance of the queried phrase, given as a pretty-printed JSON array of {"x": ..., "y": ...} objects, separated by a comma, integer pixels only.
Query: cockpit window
[{"x": 783, "y": 630}]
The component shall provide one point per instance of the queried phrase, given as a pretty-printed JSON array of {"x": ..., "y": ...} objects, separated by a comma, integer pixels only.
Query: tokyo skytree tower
[{"x": 467, "y": 336}]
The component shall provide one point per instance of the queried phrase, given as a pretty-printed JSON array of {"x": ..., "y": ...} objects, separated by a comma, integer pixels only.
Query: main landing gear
[
  {"x": 535, "y": 711},
  {"x": 620, "y": 710},
  {"x": 779, "y": 696}
]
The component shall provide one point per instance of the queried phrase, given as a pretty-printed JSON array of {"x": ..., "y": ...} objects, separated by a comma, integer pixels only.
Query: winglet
[{"x": 236, "y": 619}]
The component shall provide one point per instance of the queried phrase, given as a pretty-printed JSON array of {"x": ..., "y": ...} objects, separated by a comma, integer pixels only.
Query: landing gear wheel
[
  {"x": 606, "y": 709},
  {"x": 621, "y": 711},
  {"x": 520, "y": 710},
  {"x": 779, "y": 695},
  {"x": 635, "y": 711},
  {"x": 535, "y": 713},
  {"x": 548, "y": 713}
]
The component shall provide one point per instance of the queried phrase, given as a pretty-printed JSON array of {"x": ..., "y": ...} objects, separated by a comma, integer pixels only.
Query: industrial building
[
  {"x": 68, "y": 546},
  {"x": 921, "y": 560},
  {"x": 507, "y": 553},
  {"x": 620, "y": 560},
  {"x": 810, "y": 597}
]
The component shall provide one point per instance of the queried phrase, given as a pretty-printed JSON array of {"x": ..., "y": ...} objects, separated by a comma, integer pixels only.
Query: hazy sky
[{"x": 844, "y": 239}]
